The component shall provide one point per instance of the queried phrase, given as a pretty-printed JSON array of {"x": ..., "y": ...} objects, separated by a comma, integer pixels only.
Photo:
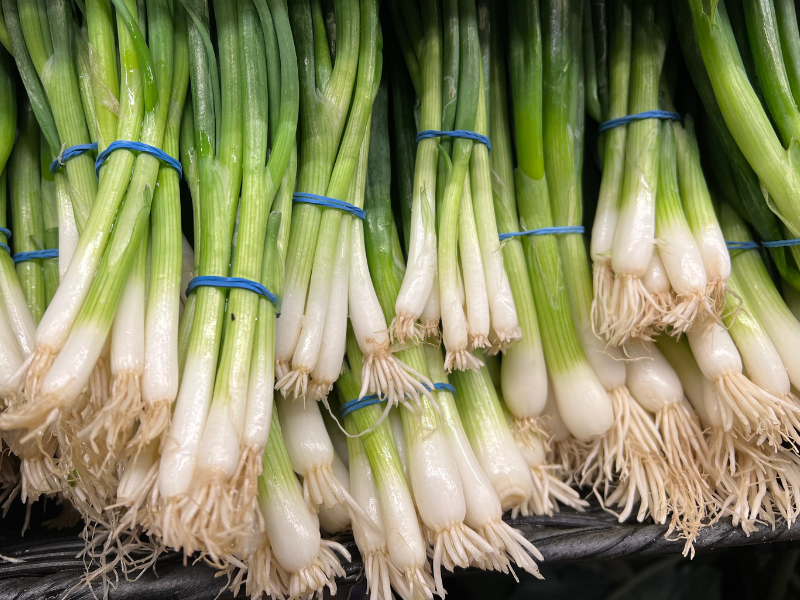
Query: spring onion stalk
[
  {"x": 634, "y": 233},
  {"x": 220, "y": 474},
  {"x": 700, "y": 215},
  {"x": 11, "y": 355},
  {"x": 523, "y": 376},
  {"x": 763, "y": 297},
  {"x": 27, "y": 219},
  {"x": 306, "y": 353},
  {"x": 760, "y": 358},
  {"x": 336, "y": 520},
  {"x": 590, "y": 65},
  {"x": 283, "y": 159},
  {"x": 605, "y": 221},
  {"x": 753, "y": 408},
  {"x": 420, "y": 287},
  {"x": 83, "y": 68},
  {"x": 438, "y": 491},
  {"x": 582, "y": 401},
  {"x": 475, "y": 302},
  {"x": 50, "y": 219},
  {"x": 71, "y": 296},
  {"x": 404, "y": 541},
  {"x": 324, "y": 107},
  {"x": 562, "y": 452},
  {"x": 677, "y": 247},
  {"x": 159, "y": 381},
  {"x": 492, "y": 441},
  {"x": 792, "y": 298},
  {"x": 332, "y": 348},
  {"x": 743, "y": 114},
  {"x": 563, "y": 112},
  {"x": 503, "y": 311},
  {"x": 312, "y": 456},
  {"x": 484, "y": 510},
  {"x": 655, "y": 385},
  {"x": 60, "y": 81},
  {"x": 126, "y": 255},
  {"x": 217, "y": 105},
  {"x": 735, "y": 176},
  {"x": 741, "y": 471},
  {"x": 380, "y": 572},
  {"x": 455, "y": 333},
  {"x": 310, "y": 562}
]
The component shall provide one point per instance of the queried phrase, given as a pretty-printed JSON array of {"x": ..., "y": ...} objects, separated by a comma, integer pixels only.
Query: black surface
[{"x": 52, "y": 566}]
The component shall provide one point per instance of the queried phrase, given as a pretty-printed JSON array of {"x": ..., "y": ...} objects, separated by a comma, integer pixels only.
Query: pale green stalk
[
  {"x": 26, "y": 212},
  {"x": 83, "y": 67},
  {"x": 746, "y": 120},
  {"x": 523, "y": 378},
  {"x": 50, "y": 214}
]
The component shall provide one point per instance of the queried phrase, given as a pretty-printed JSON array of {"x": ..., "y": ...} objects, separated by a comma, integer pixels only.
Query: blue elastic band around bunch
[
  {"x": 137, "y": 147},
  {"x": 6, "y": 232},
  {"x": 6, "y": 248},
  {"x": 742, "y": 245},
  {"x": 34, "y": 254},
  {"x": 353, "y": 405},
  {"x": 238, "y": 283},
  {"x": 307, "y": 198},
  {"x": 649, "y": 114},
  {"x": 456, "y": 133},
  {"x": 442, "y": 387},
  {"x": 543, "y": 231},
  {"x": 781, "y": 243},
  {"x": 70, "y": 152}
]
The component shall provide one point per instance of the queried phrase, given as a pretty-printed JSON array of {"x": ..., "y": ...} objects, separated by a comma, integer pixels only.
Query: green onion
[
  {"x": 26, "y": 210},
  {"x": 582, "y": 401},
  {"x": 437, "y": 108}
]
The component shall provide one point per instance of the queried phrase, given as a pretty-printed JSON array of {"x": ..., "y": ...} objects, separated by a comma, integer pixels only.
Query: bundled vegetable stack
[{"x": 387, "y": 228}]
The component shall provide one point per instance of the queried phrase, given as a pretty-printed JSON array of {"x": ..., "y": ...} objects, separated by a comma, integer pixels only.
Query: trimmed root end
[
  {"x": 263, "y": 575},
  {"x": 404, "y": 329},
  {"x": 633, "y": 311},
  {"x": 389, "y": 377},
  {"x": 504, "y": 339},
  {"x": 294, "y": 384},
  {"x": 688, "y": 310},
  {"x": 282, "y": 368},
  {"x": 429, "y": 329},
  {"x": 419, "y": 582},
  {"x": 319, "y": 390},
  {"x": 549, "y": 490},
  {"x": 689, "y": 459},
  {"x": 603, "y": 279},
  {"x": 382, "y": 576},
  {"x": 756, "y": 410},
  {"x": 116, "y": 418},
  {"x": 321, "y": 573},
  {"x": 211, "y": 520},
  {"x": 152, "y": 423},
  {"x": 456, "y": 546},
  {"x": 321, "y": 487},
  {"x": 40, "y": 362},
  {"x": 716, "y": 292},
  {"x": 478, "y": 341},
  {"x": 509, "y": 546},
  {"x": 461, "y": 360}
]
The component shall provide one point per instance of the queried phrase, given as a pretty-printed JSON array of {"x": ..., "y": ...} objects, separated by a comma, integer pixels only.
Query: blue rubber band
[
  {"x": 26, "y": 256},
  {"x": 70, "y": 152},
  {"x": 137, "y": 147},
  {"x": 781, "y": 243},
  {"x": 6, "y": 248},
  {"x": 442, "y": 387},
  {"x": 238, "y": 283},
  {"x": 455, "y": 133},
  {"x": 353, "y": 405},
  {"x": 306, "y": 198},
  {"x": 742, "y": 245},
  {"x": 649, "y": 114},
  {"x": 6, "y": 232},
  {"x": 543, "y": 231}
]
